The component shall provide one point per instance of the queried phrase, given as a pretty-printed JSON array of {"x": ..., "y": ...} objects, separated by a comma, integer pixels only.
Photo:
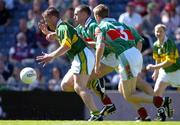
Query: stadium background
[{"x": 24, "y": 14}]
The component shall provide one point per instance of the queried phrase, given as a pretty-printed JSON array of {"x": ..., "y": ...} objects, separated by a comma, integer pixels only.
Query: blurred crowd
[{"x": 21, "y": 40}]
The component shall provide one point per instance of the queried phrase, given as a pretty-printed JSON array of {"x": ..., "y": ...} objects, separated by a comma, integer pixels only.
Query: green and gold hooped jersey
[
  {"x": 167, "y": 52},
  {"x": 67, "y": 35},
  {"x": 117, "y": 37},
  {"x": 88, "y": 32}
]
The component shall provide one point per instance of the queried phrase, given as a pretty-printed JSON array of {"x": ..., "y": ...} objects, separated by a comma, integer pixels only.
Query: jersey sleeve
[
  {"x": 92, "y": 30},
  {"x": 172, "y": 52},
  {"x": 68, "y": 38}
]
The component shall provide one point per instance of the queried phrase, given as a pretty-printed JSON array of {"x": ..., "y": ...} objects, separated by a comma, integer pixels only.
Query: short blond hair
[
  {"x": 101, "y": 10},
  {"x": 160, "y": 26}
]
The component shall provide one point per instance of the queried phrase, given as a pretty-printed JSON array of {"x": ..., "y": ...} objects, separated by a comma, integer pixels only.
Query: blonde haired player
[{"x": 167, "y": 67}]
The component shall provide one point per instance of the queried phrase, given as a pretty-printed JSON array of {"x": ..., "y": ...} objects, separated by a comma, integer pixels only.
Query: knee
[
  {"x": 79, "y": 89},
  {"x": 65, "y": 87}
]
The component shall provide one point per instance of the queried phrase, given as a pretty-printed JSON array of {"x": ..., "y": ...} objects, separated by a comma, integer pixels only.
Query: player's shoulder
[
  {"x": 93, "y": 24},
  {"x": 62, "y": 26},
  {"x": 66, "y": 27},
  {"x": 171, "y": 42},
  {"x": 156, "y": 43},
  {"x": 78, "y": 27}
]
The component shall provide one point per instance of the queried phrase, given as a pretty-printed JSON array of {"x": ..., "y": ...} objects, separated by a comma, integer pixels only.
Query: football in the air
[{"x": 28, "y": 75}]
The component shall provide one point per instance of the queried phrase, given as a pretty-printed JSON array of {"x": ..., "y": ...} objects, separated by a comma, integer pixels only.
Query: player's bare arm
[
  {"x": 46, "y": 58},
  {"x": 43, "y": 28},
  {"x": 99, "y": 54},
  {"x": 160, "y": 65},
  {"x": 50, "y": 36}
]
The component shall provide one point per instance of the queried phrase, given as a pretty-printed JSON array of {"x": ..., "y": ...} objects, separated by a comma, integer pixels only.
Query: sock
[
  {"x": 106, "y": 100},
  {"x": 91, "y": 84},
  {"x": 142, "y": 113},
  {"x": 158, "y": 101},
  {"x": 95, "y": 112}
]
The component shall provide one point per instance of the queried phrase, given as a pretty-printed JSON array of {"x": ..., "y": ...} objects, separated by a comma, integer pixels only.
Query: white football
[{"x": 28, "y": 75}]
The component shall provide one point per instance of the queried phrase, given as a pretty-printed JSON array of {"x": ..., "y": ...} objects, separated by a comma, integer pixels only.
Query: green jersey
[
  {"x": 67, "y": 35},
  {"x": 88, "y": 32},
  {"x": 116, "y": 36},
  {"x": 168, "y": 51}
]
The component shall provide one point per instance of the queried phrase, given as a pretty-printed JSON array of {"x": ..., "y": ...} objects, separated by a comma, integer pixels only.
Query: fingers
[{"x": 39, "y": 58}]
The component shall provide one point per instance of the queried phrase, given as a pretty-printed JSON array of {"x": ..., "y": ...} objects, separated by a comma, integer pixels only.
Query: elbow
[
  {"x": 101, "y": 46},
  {"x": 169, "y": 63}
]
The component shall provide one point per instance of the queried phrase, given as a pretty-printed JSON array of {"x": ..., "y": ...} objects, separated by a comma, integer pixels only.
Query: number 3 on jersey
[{"x": 122, "y": 33}]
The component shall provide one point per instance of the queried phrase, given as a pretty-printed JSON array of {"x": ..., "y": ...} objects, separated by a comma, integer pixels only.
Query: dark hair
[
  {"x": 85, "y": 8},
  {"x": 101, "y": 10},
  {"x": 51, "y": 11}
]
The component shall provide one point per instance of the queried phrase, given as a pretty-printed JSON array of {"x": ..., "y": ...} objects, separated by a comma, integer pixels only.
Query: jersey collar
[
  {"x": 165, "y": 39},
  {"x": 87, "y": 22},
  {"x": 59, "y": 22}
]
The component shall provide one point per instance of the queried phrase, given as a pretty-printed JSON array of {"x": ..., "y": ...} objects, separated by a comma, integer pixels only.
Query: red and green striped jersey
[
  {"x": 67, "y": 35},
  {"x": 117, "y": 36},
  {"x": 88, "y": 32},
  {"x": 168, "y": 51}
]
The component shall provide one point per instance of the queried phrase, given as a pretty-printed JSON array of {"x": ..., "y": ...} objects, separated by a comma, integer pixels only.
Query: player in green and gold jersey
[
  {"x": 167, "y": 67},
  {"x": 76, "y": 49}
]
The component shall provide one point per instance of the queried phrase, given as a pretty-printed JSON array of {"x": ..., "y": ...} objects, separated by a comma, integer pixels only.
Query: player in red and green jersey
[
  {"x": 86, "y": 29},
  {"x": 76, "y": 49},
  {"x": 115, "y": 46}
]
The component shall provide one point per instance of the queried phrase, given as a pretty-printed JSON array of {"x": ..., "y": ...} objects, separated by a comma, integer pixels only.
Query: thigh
[
  {"x": 67, "y": 84},
  {"x": 160, "y": 87},
  {"x": 80, "y": 80},
  {"x": 127, "y": 87},
  {"x": 104, "y": 70}
]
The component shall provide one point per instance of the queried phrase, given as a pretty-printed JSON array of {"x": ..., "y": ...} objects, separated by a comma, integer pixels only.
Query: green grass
[{"x": 43, "y": 122}]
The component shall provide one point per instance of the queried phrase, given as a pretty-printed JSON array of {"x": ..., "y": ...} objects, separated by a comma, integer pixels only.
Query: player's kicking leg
[{"x": 98, "y": 86}]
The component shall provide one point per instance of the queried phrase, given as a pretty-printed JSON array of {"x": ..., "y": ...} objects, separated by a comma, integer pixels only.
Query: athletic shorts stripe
[{"x": 83, "y": 60}]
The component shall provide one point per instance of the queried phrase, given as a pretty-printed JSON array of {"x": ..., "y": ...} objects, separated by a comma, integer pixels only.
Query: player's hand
[
  {"x": 150, "y": 67},
  {"x": 43, "y": 28},
  {"x": 51, "y": 36},
  {"x": 44, "y": 59}
]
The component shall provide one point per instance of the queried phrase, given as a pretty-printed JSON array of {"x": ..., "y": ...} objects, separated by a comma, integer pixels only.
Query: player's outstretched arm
[{"x": 46, "y": 58}]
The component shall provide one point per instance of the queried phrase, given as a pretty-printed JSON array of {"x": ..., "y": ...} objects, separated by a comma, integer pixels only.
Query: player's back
[{"x": 117, "y": 36}]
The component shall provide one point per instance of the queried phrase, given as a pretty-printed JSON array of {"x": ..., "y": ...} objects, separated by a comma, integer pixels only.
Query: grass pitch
[{"x": 58, "y": 122}]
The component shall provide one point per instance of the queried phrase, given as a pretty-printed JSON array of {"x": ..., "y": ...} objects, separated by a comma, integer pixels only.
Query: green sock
[
  {"x": 95, "y": 113},
  {"x": 92, "y": 84}
]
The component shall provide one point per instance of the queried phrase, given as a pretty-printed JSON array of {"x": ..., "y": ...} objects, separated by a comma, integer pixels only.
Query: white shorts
[
  {"x": 83, "y": 62},
  {"x": 173, "y": 78},
  {"x": 130, "y": 63},
  {"x": 110, "y": 60}
]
